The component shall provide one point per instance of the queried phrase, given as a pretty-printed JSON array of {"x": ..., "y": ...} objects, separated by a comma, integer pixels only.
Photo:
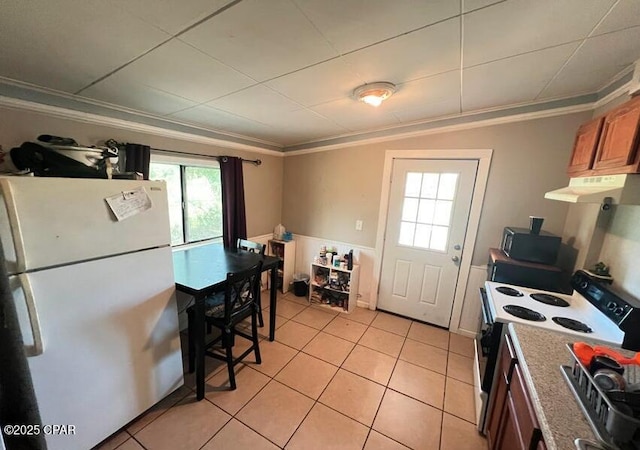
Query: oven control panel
[{"x": 613, "y": 306}]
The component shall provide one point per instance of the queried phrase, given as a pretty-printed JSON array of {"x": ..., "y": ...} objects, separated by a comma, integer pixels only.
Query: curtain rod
[
  {"x": 116, "y": 144},
  {"x": 257, "y": 162}
]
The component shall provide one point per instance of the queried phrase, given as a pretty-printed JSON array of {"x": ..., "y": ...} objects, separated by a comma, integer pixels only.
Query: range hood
[{"x": 608, "y": 189}]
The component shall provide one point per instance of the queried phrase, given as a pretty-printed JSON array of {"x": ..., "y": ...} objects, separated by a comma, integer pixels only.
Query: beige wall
[
  {"x": 263, "y": 184},
  {"x": 612, "y": 237},
  {"x": 621, "y": 248},
  {"x": 326, "y": 192}
]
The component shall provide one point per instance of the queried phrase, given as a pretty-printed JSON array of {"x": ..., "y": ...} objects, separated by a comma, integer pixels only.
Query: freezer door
[
  {"x": 110, "y": 343},
  {"x": 45, "y": 222}
]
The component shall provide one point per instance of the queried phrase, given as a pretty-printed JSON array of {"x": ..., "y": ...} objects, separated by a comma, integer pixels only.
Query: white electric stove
[{"x": 570, "y": 314}]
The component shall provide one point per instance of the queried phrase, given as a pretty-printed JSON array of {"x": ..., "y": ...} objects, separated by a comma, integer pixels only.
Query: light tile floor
[{"x": 366, "y": 380}]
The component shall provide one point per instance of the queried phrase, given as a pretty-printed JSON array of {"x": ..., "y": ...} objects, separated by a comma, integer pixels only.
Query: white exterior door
[{"x": 429, "y": 204}]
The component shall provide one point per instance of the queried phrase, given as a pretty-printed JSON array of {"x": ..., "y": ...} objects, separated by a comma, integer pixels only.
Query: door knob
[{"x": 455, "y": 259}]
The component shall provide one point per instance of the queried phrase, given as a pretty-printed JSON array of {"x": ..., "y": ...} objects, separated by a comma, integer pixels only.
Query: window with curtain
[{"x": 195, "y": 198}]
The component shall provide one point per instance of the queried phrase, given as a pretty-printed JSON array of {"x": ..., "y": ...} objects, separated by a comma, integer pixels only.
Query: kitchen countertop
[{"x": 540, "y": 354}]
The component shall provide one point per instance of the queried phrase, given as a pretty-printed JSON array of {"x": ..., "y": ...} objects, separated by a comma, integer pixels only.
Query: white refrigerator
[{"x": 95, "y": 299}]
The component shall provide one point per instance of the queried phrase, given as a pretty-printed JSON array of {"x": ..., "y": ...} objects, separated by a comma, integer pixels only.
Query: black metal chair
[
  {"x": 224, "y": 311},
  {"x": 253, "y": 247}
]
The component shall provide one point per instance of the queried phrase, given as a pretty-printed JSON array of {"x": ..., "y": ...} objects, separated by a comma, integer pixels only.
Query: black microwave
[{"x": 521, "y": 244}]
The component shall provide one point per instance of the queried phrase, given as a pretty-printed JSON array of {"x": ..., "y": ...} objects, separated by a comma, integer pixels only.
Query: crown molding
[
  {"x": 95, "y": 119},
  {"x": 622, "y": 90},
  {"x": 470, "y": 124}
]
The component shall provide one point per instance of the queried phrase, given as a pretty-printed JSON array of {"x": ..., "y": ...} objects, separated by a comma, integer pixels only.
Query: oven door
[{"x": 486, "y": 356}]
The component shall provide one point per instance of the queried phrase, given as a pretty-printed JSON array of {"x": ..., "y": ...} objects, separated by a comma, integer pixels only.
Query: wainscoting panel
[
  {"x": 471, "y": 309},
  {"x": 307, "y": 247}
]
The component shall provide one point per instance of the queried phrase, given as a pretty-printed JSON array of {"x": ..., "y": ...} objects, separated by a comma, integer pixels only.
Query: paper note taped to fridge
[{"x": 129, "y": 203}]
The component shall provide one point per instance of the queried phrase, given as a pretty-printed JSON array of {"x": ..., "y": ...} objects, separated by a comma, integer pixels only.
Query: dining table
[{"x": 202, "y": 270}]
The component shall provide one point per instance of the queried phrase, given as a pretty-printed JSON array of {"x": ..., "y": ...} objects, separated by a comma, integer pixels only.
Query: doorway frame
[{"x": 483, "y": 156}]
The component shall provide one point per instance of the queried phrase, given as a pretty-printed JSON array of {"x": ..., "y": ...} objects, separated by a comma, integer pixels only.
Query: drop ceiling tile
[
  {"x": 472, "y": 5},
  {"x": 180, "y": 69},
  {"x": 598, "y": 60},
  {"x": 418, "y": 94},
  {"x": 218, "y": 120},
  {"x": 67, "y": 44},
  {"x": 518, "y": 26},
  {"x": 321, "y": 83},
  {"x": 512, "y": 80},
  {"x": 257, "y": 103},
  {"x": 353, "y": 24},
  {"x": 303, "y": 125},
  {"x": 171, "y": 16},
  {"x": 262, "y": 39},
  {"x": 429, "y": 51},
  {"x": 625, "y": 14},
  {"x": 307, "y": 121},
  {"x": 356, "y": 116},
  {"x": 119, "y": 91},
  {"x": 443, "y": 108}
]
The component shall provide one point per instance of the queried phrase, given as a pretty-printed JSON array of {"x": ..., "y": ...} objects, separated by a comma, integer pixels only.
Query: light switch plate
[{"x": 358, "y": 225}]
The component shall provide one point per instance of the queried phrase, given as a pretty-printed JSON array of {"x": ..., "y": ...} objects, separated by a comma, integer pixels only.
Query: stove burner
[
  {"x": 524, "y": 313},
  {"x": 549, "y": 299},
  {"x": 572, "y": 324},
  {"x": 511, "y": 292}
]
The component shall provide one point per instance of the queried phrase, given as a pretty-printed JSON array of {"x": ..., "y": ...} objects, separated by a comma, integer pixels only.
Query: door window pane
[
  {"x": 439, "y": 236},
  {"x": 447, "y": 188},
  {"x": 423, "y": 236},
  {"x": 412, "y": 186},
  {"x": 429, "y": 185},
  {"x": 425, "y": 213},
  {"x": 410, "y": 209},
  {"x": 407, "y": 231},
  {"x": 442, "y": 215},
  {"x": 170, "y": 173},
  {"x": 203, "y": 203}
]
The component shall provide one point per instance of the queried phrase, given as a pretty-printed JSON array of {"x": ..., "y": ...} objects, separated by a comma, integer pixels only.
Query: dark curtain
[
  {"x": 18, "y": 404},
  {"x": 137, "y": 159},
  {"x": 234, "y": 219}
]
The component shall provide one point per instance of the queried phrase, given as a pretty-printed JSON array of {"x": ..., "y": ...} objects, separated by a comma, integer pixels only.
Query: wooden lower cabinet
[
  {"x": 506, "y": 362},
  {"x": 510, "y": 436},
  {"x": 512, "y": 421},
  {"x": 495, "y": 417}
]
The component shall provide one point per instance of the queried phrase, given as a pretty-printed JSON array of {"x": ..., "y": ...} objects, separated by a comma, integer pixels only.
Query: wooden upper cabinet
[
  {"x": 585, "y": 146},
  {"x": 618, "y": 147}
]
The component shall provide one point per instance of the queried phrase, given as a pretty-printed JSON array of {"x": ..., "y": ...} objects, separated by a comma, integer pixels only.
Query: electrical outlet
[{"x": 358, "y": 225}]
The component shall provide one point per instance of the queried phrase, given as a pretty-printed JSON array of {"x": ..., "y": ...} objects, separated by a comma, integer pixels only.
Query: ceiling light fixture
[{"x": 374, "y": 93}]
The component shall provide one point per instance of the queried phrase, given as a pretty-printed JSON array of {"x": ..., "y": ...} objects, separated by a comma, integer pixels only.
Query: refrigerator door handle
[
  {"x": 38, "y": 346},
  {"x": 16, "y": 232}
]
